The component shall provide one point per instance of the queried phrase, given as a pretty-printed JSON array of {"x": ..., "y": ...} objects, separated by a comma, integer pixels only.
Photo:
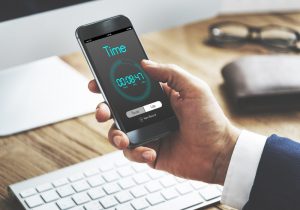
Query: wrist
[{"x": 223, "y": 157}]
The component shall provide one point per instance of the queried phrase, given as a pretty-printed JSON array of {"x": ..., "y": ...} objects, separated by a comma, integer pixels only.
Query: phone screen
[{"x": 135, "y": 98}]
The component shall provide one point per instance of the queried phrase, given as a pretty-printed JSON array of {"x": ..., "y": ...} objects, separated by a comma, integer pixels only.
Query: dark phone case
[{"x": 142, "y": 135}]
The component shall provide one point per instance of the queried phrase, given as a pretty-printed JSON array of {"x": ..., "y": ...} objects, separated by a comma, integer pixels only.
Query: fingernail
[
  {"x": 117, "y": 141},
  {"x": 147, "y": 156},
  {"x": 149, "y": 62}
]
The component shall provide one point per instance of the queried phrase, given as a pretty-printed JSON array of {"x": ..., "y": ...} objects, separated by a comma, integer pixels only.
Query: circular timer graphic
[{"x": 130, "y": 81}]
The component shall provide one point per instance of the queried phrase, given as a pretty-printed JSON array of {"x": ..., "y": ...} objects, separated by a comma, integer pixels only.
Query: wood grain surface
[{"x": 45, "y": 149}]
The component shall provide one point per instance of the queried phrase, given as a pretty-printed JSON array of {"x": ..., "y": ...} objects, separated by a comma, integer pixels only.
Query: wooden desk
[{"x": 56, "y": 146}]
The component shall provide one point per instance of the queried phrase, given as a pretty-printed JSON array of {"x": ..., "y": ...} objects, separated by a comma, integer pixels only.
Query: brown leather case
[{"x": 264, "y": 83}]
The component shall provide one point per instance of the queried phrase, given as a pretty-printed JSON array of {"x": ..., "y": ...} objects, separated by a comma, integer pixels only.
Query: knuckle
[
  {"x": 203, "y": 85},
  {"x": 173, "y": 67}
]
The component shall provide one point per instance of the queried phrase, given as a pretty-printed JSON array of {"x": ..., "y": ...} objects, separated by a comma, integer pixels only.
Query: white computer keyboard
[{"x": 112, "y": 182}]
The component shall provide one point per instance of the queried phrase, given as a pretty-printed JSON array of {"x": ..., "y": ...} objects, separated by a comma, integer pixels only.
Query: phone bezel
[{"x": 106, "y": 26}]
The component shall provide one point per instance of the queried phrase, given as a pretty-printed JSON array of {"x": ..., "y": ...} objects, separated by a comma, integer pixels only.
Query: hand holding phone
[
  {"x": 139, "y": 105},
  {"x": 205, "y": 140}
]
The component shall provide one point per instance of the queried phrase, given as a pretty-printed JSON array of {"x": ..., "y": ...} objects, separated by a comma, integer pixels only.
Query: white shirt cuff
[{"x": 242, "y": 169}]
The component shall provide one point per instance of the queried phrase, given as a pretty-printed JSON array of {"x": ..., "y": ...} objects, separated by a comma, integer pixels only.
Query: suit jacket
[{"x": 277, "y": 181}]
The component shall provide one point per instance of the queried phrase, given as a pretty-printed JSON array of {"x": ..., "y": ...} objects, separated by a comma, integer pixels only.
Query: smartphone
[{"x": 139, "y": 105}]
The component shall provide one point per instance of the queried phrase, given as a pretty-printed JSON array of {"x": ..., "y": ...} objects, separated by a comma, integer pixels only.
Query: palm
[{"x": 189, "y": 147}]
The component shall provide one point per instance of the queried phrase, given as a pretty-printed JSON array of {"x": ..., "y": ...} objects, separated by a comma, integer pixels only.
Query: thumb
[{"x": 176, "y": 78}]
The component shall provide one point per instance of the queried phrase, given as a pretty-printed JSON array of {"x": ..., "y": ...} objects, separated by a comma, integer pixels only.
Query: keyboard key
[
  {"x": 139, "y": 204},
  {"x": 138, "y": 191},
  {"x": 44, "y": 187},
  {"x": 110, "y": 176},
  {"x": 111, "y": 188},
  {"x": 126, "y": 183},
  {"x": 123, "y": 196},
  {"x": 184, "y": 188},
  {"x": 153, "y": 186},
  {"x": 108, "y": 201},
  {"x": 168, "y": 181},
  {"x": 65, "y": 191},
  {"x": 197, "y": 185},
  {"x": 93, "y": 206},
  {"x": 77, "y": 208},
  {"x": 96, "y": 193},
  {"x": 141, "y": 178},
  {"x": 139, "y": 167},
  {"x": 155, "y": 174},
  {"x": 220, "y": 187},
  {"x": 34, "y": 201},
  {"x": 81, "y": 198},
  {"x": 28, "y": 192},
  {"x": 155, "y": 198},
  {"x": 106, "y": 167},
  {"x": 91, "y": 172},
  {"x": 76, "y": 177},
  {"x": 126, "y": 171},
  {"x": 60, "y": 182},
  {"x": 80, "y": 186},
  {"x": 50, "y": 196},
  {"x": 210, "y": 192},
  {"x": 181, "y": 202},
  {"x": 169, "y": 193},
  {"x": 95, "y": 181},
  {"x": 122, "y": 162},
  {"x": 180, "y": 180},
  {"x": 126, "y": 206},
  {"x": 48, "y": 206},
  {"x": 65, "y": 203}
]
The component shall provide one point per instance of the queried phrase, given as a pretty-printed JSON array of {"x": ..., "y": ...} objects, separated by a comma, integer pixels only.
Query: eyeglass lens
[
  {"x": 278, "y": 37},
  {"x": 230, "y": 31}
]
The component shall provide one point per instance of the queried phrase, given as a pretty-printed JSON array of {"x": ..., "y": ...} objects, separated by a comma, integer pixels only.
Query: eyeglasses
[{"x": 234, "y": 34}]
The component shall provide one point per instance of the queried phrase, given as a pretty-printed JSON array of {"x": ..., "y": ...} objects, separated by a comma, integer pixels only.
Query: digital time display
[
  {"x": 130, "y": 81},
  {"x": 133, "y": 79}
]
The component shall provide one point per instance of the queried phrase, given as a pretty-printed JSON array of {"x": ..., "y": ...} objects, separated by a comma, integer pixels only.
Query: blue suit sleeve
[{"x": 277, "y": 181}]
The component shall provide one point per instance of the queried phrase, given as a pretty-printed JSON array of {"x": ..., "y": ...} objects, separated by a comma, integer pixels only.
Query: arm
[
  {"x": 277, "y": 181},
  {"x": 264, "y": 173}
]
